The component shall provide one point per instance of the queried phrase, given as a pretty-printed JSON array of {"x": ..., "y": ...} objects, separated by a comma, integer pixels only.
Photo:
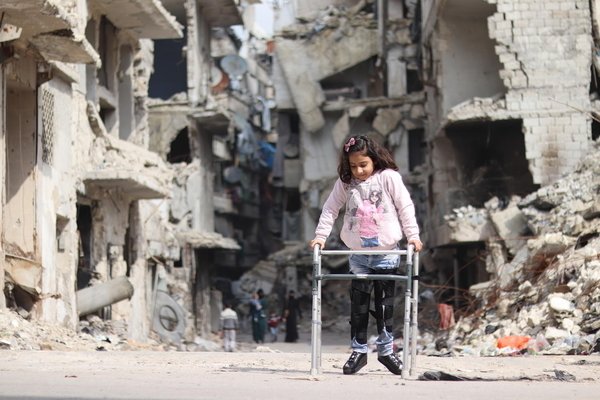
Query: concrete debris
[
  {"x": 387, "y": 120},
  {"x": 18, "y": 333},
  {"x": 331, "y": 17},
  {"x": 550, "y": 290}
]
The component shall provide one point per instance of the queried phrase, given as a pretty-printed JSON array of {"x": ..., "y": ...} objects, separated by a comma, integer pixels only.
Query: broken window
[
  {"x": 594, "y": 84},
  {"x": 170, "y": 68},
  {"x": 359, "y": 81},
  {"x": 490, "y": 160},
  {"x": 180, "y": 148},
  {"x": 84, "y": 229},
  {"x": 413, "y": 81},
  {"x": 595, "y": 129},
  {"x": 106, "y": 39},
  {"x": 416, "y": 148},
  {"x": 108, "y": 114}
]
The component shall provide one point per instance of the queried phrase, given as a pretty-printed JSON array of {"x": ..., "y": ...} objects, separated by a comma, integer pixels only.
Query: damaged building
[
  {"x": 211, "y": 122},
  {"x": 139, "y": 144},
  {"x": 79, "y": 179},
  {"x": 476, "y": 108},
  {"x": 505, "y": 116},
  {"x": 163, "y": 156}
]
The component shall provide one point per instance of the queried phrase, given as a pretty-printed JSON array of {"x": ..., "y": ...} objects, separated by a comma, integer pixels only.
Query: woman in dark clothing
[
  {"x": 258, "y": 304},
  {"x": 291, "y": 313}
]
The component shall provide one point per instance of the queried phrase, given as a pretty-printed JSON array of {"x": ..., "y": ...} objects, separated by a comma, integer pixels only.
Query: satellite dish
[{"x": 236, "y": 67}]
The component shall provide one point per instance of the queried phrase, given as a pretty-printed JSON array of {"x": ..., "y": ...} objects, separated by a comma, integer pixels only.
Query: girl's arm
[
  {"x": 331, "y": 210},
  {"x": 403, "y": 203}
]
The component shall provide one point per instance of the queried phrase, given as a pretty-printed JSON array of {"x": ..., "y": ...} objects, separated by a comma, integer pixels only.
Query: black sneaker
[
  {"x": 392, "y": 363},
  {"x": 355, "y": 363}
]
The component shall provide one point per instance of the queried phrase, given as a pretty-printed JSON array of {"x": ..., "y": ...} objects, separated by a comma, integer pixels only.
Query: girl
[{"x": 378, "y": 210}]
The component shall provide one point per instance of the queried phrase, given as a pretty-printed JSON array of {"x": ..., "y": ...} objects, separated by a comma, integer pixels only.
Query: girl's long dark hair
[{"x": 381, "y": 157}]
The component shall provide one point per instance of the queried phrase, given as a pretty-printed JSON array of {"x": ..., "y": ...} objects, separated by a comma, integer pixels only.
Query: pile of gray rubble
[{"x": 544, "y": 260}]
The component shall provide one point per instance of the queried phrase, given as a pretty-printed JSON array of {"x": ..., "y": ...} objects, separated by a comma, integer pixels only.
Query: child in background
[
  {"x": 379, "y": 211},
  {"x": 273, "y": 324},
  {"x": 229, "y": 326}
]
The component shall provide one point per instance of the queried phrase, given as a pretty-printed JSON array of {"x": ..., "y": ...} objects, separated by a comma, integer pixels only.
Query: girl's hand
[
  {"x": 417, "y": 243},
  {"x": 315, "y": 242}
]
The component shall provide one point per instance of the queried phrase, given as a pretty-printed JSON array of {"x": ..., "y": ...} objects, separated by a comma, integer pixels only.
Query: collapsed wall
[{"x": 548, "y": 288}]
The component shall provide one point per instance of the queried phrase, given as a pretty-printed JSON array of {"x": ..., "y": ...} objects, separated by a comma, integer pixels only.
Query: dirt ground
[{"x": 282, "y": 371}]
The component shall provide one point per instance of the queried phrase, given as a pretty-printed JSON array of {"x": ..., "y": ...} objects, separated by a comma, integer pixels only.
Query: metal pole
[
  {"x": 407, "y": 300},
  {"x": 316, "y": 318},
  {"x": 319, "y": 324},
  {"x": 414, "y": 322}
]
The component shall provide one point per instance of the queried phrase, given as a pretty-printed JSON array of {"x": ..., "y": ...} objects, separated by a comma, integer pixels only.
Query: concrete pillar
[{"x": 94, "y": 298}]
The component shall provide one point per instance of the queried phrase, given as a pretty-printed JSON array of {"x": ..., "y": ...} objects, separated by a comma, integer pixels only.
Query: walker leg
[
  {"x": 414, "y": 316},
  {"x": 406, "y": 361},
  {"x": 406, "y": 340},
  {"x": 315, "y": 341}
]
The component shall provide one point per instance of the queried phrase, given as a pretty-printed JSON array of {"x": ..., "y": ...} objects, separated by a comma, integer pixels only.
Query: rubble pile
[
  {"x": 339, "y": 19},
  {"x": 546, "y": 284},
  {"x": 19, "y": 333}
]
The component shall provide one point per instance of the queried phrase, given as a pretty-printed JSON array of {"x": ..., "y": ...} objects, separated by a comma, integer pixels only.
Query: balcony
[
  {"x": 146, "y": 19},
  {"x": 220, "y": 13},
  {"x": 53, "y": 34}
]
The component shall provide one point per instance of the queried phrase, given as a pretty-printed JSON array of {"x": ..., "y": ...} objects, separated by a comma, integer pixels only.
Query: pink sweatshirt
[{"x": 378, "y": 210}]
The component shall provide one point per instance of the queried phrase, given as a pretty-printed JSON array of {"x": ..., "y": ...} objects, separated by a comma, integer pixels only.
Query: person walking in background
[
  {"x": 291, "y": 313},
  {"x": 273, "y": 324},
  {"x": 258, "y": 305},
  {"x": 379, "y": 210},
  {"x": 229, "y": 327}
]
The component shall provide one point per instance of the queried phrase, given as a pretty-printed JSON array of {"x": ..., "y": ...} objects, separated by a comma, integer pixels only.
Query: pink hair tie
[{"x": 349, "y": 143}]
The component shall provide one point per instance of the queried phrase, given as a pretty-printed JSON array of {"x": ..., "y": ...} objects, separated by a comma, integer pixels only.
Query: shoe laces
[
  {"x": 354, "y": 356},
  {"x": 395, "y": 358}
]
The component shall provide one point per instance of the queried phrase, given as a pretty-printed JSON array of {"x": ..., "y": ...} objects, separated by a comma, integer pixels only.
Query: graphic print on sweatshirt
[{"x": 367, "y": 211}]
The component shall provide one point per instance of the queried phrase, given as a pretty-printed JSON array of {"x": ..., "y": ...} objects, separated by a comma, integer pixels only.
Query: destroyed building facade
[
  {"x": 156, "y": 151},
  {"x": 211, "y": 121},
  {"x": 107, "y": 208},
  {"x": 505, "y": 116},
  {"x": 78, "y": 171},
  {"x": 475, "y": 108}
]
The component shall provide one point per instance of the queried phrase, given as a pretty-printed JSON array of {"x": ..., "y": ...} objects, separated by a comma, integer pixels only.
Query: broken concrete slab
[
  {"x": 510, "y": 224},
  {"x": 304, "y": 72},
  {"x": 206, "y": 240},
  {"x": 144, "y": 18},
  {"x": 386, "y": 120},
  {"x": 66, "y": 46}
]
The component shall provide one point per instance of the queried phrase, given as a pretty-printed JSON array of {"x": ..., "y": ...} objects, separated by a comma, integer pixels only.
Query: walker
[{"x": 411, "y": 279}]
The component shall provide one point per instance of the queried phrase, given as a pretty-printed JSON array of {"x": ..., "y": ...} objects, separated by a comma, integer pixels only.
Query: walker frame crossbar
[{"x": 411, "y": 282}]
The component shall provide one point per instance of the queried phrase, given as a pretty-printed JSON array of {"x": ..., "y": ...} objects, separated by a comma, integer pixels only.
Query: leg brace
[
  {"x": 360, "y": 298},
  {"x": 384, "y": 304}
]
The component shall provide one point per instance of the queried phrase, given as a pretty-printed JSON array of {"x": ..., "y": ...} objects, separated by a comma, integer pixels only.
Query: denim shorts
[{"x": 373, "y": 263}]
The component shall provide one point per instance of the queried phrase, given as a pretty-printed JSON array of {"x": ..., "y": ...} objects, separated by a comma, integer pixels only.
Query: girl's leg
[
  {"x": 360, "y": 298},
  {"x": 384, "y": 313}
]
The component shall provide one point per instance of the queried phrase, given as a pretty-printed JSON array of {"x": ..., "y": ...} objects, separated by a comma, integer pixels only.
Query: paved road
[{"x": 281, "y": 371}]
